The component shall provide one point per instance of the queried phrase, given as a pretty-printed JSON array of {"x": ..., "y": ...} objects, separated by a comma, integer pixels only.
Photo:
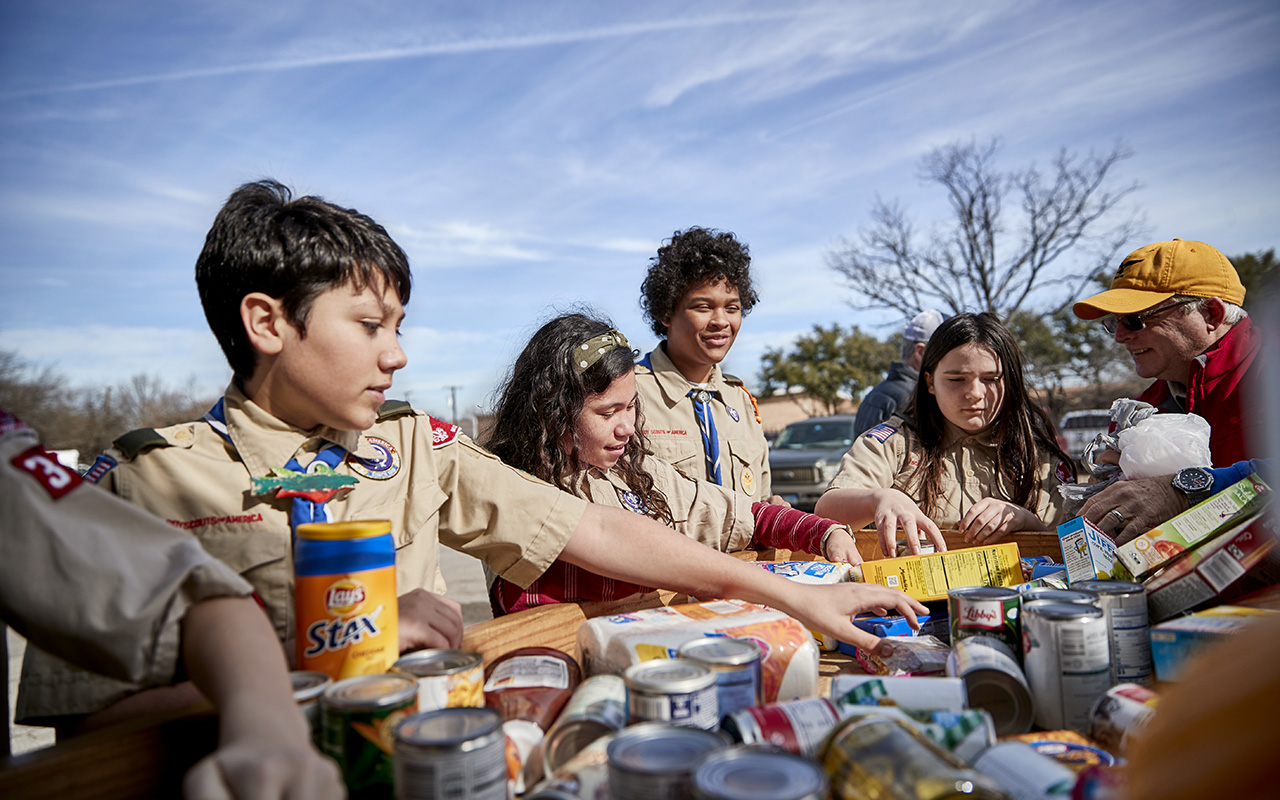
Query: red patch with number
[
  {"x": 44, "y": 466},
  {"x": 442, "y": 433}
]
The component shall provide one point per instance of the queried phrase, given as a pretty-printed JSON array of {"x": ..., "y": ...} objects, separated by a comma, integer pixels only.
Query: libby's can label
[
  {"x": 985, "y": 611},
  {"x": 345, "y": 605}
]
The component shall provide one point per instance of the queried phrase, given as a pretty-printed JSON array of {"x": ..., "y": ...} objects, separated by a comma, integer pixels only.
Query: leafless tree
[
  {"x": 986, "y": 257},
  {"x": 88, "y": 419}
]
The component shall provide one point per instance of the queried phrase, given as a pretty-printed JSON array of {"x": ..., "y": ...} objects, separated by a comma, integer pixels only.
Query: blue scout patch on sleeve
[{"x": 101, "y": 466}]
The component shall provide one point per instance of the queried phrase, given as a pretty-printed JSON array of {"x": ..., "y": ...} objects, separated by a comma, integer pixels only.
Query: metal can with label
[
  {"x": 1024, "y": 772},
  {"x": 597, "y": 708},
  {"x": 985, "y": 611},
  {"x": 1058, "y": 595},
  {"x": 736, "y": 663},
  {"x": 359, "y": 716},
  {"x": 453, "y": 752},
  {"x": 1125, "y": 604},
  {"x": 797, "y": 726},
  {"x": 345, "y": 608},
  {"x": 880, "y": 756},
  {"x": 672, "y": 690},
  {"x": 307, "y": 688},
  {"x": 585, "y": 776},
  {"x": 654, "y": 760},
  {"x": 752, "y": 773},
  {"x": 994, "y": 682},
  {"x": 446, "y": 678},
  {"x": 1067, "y": 661},
  {"x": 1121, "y": 713}
]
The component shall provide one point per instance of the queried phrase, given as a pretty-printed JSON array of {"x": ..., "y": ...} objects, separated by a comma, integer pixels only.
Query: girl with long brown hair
[
  {"x": 569, "y": 414},
  {"x": 971, "y": 451}
]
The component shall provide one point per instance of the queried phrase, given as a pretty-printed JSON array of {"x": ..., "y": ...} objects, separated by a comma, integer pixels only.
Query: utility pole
[{"x": 453, "y": 403}]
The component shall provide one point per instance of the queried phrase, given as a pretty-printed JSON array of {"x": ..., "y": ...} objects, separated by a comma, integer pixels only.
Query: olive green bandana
[{"x": 590, "y": 351}]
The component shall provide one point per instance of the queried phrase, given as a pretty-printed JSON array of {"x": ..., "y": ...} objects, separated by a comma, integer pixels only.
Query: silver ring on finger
[{"x": 1115, "y": 512}]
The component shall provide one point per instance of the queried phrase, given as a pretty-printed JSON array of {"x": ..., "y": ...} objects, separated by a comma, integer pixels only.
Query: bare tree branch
[{"x": 982, "y": 258}]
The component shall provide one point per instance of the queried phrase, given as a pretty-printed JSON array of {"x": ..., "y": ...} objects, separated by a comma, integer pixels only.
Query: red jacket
[{"x": 1226, "y": 393}]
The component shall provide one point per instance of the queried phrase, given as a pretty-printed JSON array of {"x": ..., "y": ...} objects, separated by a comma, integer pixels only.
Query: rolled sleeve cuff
[{"x": 545, "y": 546}]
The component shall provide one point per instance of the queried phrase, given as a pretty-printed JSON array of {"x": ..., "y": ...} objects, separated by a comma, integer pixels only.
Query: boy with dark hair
[
  {"x": 700, "y": 420},
  {"x": 312, "y": 402}
]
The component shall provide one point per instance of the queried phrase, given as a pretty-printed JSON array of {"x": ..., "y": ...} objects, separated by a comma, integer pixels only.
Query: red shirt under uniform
[
  {"x": 714, "y": 515},
  {"x": 1223, "y": 391}
]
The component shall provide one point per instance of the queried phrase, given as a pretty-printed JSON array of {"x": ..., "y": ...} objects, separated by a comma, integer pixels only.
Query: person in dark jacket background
[{"x": 890, "y": 395}]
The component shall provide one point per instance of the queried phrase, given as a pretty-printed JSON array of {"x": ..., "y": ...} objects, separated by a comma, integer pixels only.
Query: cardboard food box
[
  {"x": 1176, "y": 641},
  {"x": 1236, "y": 504},
  {"x": 816, "y": 572},
  {"x": 1211, "y": 569},
  {"x": 1087, "y": 553},
  {"x": 931, "y": 576}
]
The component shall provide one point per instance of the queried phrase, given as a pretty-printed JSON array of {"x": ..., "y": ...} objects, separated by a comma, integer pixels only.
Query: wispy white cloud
[{"x": 429, "y": 49}]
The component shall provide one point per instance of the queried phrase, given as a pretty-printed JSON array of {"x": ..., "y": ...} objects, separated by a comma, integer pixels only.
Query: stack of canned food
[{"x": 694, "y": 725}]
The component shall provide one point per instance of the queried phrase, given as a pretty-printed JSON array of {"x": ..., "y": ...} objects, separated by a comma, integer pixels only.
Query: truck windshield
[{"x": 815, "y": 435}]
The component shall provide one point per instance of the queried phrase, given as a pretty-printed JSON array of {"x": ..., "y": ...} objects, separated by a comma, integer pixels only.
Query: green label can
[
  {"x": 985, "y": 611},
  {"x": 359, "y": 716}
]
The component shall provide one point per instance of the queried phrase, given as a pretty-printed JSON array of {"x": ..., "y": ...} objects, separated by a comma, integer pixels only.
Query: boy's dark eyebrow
[{"x": 387, "y": 312}]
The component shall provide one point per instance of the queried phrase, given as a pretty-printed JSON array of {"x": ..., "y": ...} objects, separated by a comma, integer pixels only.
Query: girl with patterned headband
[{"x": 569, "y": 414}]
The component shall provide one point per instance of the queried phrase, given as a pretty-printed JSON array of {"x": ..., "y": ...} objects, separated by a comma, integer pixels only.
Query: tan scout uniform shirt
[
  {"x": 702, "y": 511},
  {"x": 969, "y": 472},
  {"x": 443, "y": 489},
  {"x": 57, "y": 534},
  {"x": 672, "y": 429}
]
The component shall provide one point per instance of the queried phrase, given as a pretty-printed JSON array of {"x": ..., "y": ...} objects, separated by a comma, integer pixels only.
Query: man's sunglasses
[{"x": 1136, "y": 322}]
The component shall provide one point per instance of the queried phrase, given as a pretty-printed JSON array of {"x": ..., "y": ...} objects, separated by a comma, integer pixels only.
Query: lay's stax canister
[{"x": 345, "y": 598}]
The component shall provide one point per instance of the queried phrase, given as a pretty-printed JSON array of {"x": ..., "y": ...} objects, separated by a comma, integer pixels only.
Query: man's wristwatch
[{"x": 1195, "y": 482}]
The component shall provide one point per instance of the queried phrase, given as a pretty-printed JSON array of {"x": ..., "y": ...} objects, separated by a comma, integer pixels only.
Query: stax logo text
[{"x": 326, "y": 636}]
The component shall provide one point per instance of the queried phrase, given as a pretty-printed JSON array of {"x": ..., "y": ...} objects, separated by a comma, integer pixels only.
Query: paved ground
[{"x": 466, "y": 585}]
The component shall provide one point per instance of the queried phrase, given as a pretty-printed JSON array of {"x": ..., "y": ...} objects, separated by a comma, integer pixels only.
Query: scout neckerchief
[
  {"x": 706, "y": 425},
  {"x": 311, "y": 487}
]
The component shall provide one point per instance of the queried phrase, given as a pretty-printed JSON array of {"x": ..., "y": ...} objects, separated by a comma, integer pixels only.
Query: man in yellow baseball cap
[{"x": 1176, "y": 307}]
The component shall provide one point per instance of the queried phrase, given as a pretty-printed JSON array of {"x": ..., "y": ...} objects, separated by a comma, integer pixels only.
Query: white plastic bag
[{"x": 1164, "y": 444}]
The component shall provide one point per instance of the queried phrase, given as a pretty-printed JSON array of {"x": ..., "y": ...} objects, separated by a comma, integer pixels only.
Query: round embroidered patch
[
  {"x": 631, "y": 500},
  {"x": 733, "y": 412},
  {"x": 748, "y": 480},
  {"x": 381, "y": 468}
]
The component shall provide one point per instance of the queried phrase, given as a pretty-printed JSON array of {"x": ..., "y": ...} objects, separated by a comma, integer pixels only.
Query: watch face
[{"x": 1193, "y": 479}]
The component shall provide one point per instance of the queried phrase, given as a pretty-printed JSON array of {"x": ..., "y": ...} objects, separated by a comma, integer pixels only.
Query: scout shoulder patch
[
  {"x": 10, "y": 424},
  {"x": 443, "y": 433},
  {"x": 382, "y": 467},
  {"x": 1065, "y": 473},
  {"x": 393, "y": 409},
  {"x": 881, "y": 432},
  {"x": 101, "y": 466},
  {"x": 732, "y": 380},
  {"x": 134, "y": 442},
  {"x": 44, "y": 466}
]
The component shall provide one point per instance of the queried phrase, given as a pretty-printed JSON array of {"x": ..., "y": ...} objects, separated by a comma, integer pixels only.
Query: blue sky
[{"x": 530, "y": 155}]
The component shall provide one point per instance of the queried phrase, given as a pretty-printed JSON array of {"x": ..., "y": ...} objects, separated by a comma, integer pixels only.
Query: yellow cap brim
[{"x": 1118, "y": 301}]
